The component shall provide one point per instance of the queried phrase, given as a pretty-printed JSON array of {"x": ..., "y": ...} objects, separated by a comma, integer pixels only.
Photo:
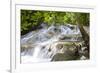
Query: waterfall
[
  {"x": 36, "y": 51},
  {"x": 42, "y": 42}
]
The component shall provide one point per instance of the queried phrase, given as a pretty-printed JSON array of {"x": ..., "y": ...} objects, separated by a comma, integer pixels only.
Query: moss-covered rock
[
  {"x": 70, "y": 52},
  {"x": 64, "y": 57}
]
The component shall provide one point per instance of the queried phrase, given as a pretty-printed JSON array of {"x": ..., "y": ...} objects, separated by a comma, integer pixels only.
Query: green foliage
[{"x": 31, "y": 18}]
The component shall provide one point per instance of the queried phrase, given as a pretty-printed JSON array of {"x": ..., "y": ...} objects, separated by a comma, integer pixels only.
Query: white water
[
  {"x": 44, "y": 41},
  {"x": 36, "y": 51}
]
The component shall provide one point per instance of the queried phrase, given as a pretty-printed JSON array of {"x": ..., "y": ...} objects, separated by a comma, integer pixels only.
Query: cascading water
[{"x": 41, "y": 43}]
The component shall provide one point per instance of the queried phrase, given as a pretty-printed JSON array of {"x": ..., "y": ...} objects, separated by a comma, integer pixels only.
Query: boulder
[{"x": 70, "y": 52}]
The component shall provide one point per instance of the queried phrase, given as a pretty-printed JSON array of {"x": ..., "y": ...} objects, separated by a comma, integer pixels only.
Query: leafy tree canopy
[{"x": 31, "y": 18}]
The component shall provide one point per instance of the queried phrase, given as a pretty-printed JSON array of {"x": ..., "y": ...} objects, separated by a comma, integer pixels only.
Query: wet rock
[
  {"x": 71, "y": 26},
  {"x": 63, "y": 37},
  {"x": 63, "y": 57},
  {"x": 43, "y": 47},
  {"x": 49, "y": 49},
  {"x": 74, "y": 37},
  {"x": 70, "y": 52},
  {"x": 59, "y": 46},
  {"x": 26, "y": 47},
  {"x": 50, "y": 34}
]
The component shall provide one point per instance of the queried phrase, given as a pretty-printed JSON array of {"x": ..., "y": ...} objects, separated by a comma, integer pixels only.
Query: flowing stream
[{"x": 40, "y": 45}]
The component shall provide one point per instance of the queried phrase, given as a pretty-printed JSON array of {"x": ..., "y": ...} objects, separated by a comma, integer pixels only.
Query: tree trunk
[{"x": 85, "y": 37}]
